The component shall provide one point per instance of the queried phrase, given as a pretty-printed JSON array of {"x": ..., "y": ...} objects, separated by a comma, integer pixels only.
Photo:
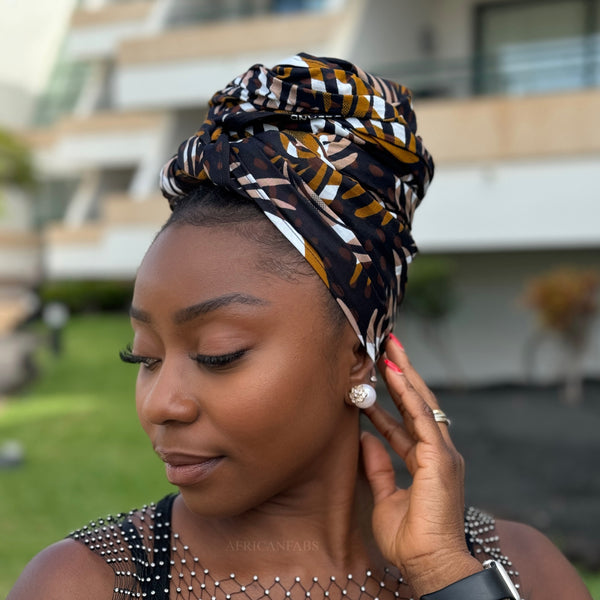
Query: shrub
[{"x": 89, "y": 295}]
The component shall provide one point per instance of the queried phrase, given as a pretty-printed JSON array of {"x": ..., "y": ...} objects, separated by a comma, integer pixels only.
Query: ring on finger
[{"x": 440, "y": 416}]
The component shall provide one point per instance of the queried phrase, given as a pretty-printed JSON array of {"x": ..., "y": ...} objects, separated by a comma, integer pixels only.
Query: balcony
[
  {"x": 95, "y": 34},
  {"x": 111, "y": 247},
  {"x": 183, "y": 67},
  {"x": 513, "y": 173},
  {"x": 102, "y": 140},
  {"x": 20, "y": 258},
  {"x": 511, "y": 128},
  {"x": 121, "y": 209},
  {"x": 535, "y": 68}
]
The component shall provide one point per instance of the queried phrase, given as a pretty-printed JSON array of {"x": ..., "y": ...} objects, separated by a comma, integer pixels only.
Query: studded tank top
[{"x": 149, "y": 560}]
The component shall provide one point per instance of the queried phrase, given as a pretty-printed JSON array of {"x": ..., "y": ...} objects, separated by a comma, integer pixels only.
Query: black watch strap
[{"x": 484, "y": 585}]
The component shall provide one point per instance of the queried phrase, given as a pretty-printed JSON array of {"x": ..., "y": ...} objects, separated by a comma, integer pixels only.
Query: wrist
[
  {"x": 439, "y": 571},
  {"x": 491, "y": 583}
]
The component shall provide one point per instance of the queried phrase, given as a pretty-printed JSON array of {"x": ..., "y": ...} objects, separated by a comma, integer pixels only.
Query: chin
[{"x": 202, "y": 504}]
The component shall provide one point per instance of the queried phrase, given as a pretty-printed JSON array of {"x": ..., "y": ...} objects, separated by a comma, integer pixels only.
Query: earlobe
[{"x": 359, "y": 392}]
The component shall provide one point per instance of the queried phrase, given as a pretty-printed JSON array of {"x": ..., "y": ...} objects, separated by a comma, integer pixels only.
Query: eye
[
  {"x": 219, "y": 361},
  {"x": 127, "y": 356}
]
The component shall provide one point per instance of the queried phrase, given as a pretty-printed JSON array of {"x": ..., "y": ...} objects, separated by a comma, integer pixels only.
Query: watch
[{"x": 493, "y": 583}]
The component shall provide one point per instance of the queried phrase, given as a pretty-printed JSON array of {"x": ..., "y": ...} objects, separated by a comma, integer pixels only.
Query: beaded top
[{"x": 150, "y": 561}]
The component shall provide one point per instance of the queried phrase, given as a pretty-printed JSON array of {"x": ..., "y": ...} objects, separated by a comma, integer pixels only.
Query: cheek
[
  {"x": 141, "y": 390},
  {"x": 272, "y": 406}
]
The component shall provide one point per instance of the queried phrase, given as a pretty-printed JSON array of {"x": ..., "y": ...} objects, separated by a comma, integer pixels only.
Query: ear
[{"x": 361, "y": 366}]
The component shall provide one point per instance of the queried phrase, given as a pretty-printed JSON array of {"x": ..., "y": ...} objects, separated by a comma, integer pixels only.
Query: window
[{"x": 537, "y": 46}]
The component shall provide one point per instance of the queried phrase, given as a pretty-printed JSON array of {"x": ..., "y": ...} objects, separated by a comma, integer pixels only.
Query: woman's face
[{"x": 243, "y": 376}]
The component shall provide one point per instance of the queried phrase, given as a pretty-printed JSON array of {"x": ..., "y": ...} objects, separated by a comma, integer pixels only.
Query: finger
[
  {"x": 396, "y": 353},
  {"x": 418, "y": 415},
  {"x": 394, "y": 432},
  {"x": 395, "y": 350},
  {"x": 378, "y": 467}
]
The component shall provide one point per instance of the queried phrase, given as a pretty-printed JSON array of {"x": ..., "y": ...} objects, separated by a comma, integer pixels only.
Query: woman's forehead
[{"x": 187, "y": 265}]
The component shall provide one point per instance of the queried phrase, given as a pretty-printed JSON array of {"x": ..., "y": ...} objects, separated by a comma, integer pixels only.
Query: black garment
[{"x": 149, "y": 560}]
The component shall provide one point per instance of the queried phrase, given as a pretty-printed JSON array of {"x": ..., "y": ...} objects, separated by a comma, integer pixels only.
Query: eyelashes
[
  {"x": 220, "y": 360},
  {"x": 211, "y": 361},
  {"x": 127, "y": 356}
]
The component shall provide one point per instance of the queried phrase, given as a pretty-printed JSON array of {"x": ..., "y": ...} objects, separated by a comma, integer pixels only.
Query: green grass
[
  {"x": 592, "y": 580},
  {"x": 86, "y": 455}
]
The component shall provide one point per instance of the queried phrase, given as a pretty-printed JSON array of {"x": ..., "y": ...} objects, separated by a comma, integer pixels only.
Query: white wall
[
  {"x": 118, "y": 254},
  {"x": 390, "y": 32},
  {"x": 454, "y": 24},
  {"x": 116, "y": 149},
  {"x": 524, "y": 204},
  {"x": 99, "y": 42},
  {"x": 488, "y": 332},
  {"x": 31, "y": 32},
  {"x": 186, "y": 83},
  {"x": 16, "y": 106}
]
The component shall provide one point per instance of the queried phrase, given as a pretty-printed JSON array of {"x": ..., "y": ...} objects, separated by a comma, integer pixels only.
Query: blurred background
[{"x": 501, "y": 309}]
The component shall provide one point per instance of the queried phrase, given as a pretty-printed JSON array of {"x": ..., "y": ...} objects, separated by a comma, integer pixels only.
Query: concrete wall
[
  {"x": 390, "y": 32},
  {"x": 30, "y": 36},
  {"x": 16, "y": 106},
  {"x": 488, "y": 334},
  {"x": 512, "y": 205}
]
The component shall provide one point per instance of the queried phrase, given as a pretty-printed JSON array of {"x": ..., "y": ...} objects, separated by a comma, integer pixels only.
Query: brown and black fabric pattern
[{"x": 330, "y": 155}]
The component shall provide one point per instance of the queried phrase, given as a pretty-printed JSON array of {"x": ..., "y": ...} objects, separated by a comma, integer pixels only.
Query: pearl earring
[{"x": 363, "y": 395}]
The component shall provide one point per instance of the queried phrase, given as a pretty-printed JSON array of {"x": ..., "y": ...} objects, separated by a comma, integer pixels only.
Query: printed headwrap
[{"x": 330, "y": 154}]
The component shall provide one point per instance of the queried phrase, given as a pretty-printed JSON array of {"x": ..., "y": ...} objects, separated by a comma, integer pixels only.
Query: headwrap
[{"x": 330, "y": 154}]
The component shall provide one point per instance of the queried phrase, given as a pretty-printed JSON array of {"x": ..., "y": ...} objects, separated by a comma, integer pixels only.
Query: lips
[{"x": 185, "y": 470}]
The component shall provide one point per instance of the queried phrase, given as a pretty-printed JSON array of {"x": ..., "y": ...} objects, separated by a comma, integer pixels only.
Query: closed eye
[
  {"x": 218, "y": 361},
  {"x": 127, "y": 356}
]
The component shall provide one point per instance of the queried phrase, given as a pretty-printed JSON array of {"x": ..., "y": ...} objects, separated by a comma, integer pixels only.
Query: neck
[{"x": 324, "y": 525}]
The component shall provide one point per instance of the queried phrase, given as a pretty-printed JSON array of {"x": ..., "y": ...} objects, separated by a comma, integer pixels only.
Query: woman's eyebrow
[{"x": 191, "y": 312}]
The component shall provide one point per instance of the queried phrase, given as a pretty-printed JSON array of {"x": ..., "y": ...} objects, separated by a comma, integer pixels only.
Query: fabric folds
[{"x": 330, "y": 154}]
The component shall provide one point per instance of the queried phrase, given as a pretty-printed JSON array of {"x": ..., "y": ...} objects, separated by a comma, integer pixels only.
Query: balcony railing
[
  {"x": 540, "y": 68},
  {"x": 518, "y": 69},
  {"x": 62, "y": 94},
  {"x": 188, "y": 12}
]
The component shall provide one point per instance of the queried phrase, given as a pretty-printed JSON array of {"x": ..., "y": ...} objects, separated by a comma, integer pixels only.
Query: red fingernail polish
[
  {"x": 392, "y": 366},
  {"x": 396, "y": 341}
]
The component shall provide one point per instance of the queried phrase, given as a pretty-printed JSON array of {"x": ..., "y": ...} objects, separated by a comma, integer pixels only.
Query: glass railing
[
  {"x": 518, "y": 69},
  {"x": 553, "y": 67},
  {"x": 61, "y": 96}
]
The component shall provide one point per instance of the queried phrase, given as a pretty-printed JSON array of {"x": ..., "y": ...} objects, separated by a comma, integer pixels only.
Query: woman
[{"x": 256, "y": 340}]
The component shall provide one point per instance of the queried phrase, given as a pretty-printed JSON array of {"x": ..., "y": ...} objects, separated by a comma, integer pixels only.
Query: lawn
[{"x": 85, "y": 453}]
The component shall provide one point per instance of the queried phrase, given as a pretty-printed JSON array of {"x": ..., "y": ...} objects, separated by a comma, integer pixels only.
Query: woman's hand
[{"x": 419, "y": 529}]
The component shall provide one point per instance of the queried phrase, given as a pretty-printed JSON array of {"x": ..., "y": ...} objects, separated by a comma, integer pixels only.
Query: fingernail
[
  {"x": 392, "y": 366},
  {"x": 396, "y": 341}
]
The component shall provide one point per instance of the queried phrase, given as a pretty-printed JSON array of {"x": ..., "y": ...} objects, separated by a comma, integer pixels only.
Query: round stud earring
[{"x": 363, "y": 395}]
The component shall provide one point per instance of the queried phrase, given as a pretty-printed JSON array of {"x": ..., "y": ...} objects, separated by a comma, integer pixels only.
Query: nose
[{"x": 167, "y": 396}]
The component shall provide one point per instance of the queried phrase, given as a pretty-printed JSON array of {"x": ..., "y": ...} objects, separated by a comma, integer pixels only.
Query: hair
[{"x": 212, "y": 206}]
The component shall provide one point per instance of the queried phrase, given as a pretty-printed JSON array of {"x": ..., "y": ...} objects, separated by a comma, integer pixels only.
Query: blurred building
[
  {"x": 29, "y": 39},
  {"x": 507, "y": 94}
]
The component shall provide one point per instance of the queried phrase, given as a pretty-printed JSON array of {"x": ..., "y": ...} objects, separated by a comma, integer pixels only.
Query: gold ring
[{"x": 440, "y": 417}]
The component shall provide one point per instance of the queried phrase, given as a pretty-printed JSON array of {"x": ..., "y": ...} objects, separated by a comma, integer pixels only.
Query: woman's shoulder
[
  {"x": 543, "y": 570},
  {"x": 92, "y": 559},
  {"x": 67, "y": 569}
]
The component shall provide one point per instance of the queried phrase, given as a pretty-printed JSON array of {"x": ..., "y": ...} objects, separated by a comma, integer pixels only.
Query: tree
[
  {"x": 565, "y": 300},
  {"x": 15, "y": 162}
]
